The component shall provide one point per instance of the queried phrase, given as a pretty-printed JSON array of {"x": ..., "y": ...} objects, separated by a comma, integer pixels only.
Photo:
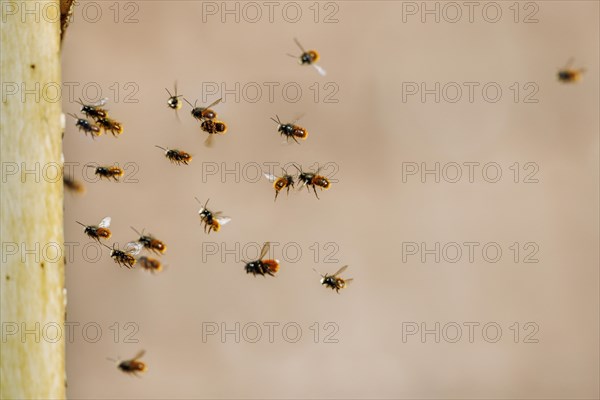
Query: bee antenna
[
  {"x": 199, "y": 202},
  {"x": 135, "y": 230},
  {"x": 291, "y": 55},
  {"x": 169, "y": 92},
  {"x": 73, "y": 115},
  {"x": 162, "y": 148},
  {"x": 81, "y": 224},
  {"x": 108, "y": 247},
  {"x": 112, "y": 359},
  {"x": 186, "y": 100},
  {"x": 80, "y": 102},
  {"x": 275, "y": 120},
  {"x": 298, "y": 168}
]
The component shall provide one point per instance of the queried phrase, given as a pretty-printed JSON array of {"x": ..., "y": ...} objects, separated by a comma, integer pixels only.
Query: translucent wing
[
  {"x": 133, "y": 248},
  {"x": 320, "y": 70},
  {"x": 297, "y": 119},
  {"x": 139, "y": 355},
  {"x": 209, "y": 142},
  {"x": 265, "y": 250},
  {"x": 348, "y": 281},
  {"x": 214, "y": 103},
  {"x": 340, "y": 270},
  {"x": 223, "y": 220},
  {"x": 271, "y": 178},
  {"x": 101, "y": 102},
  {"x": 105, "y": 223}
]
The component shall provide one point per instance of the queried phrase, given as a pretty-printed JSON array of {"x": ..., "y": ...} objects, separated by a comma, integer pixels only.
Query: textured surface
[{"x": 32, "y": 365}]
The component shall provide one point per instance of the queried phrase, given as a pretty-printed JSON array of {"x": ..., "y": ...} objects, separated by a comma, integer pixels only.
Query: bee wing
[
  {"x": 214, "y": 103},
  {"x": 340, "y": 270},
  {"x": 133, "y": 248},
  {"x": 265, "y": 250},
  {"x": 105, "y": 223},
  {"x": 222, "y": 220},
  {"x": 209, "y": 142},
  {"x": 271, "y": 178},
  {"x": 139, "y": 355},
  {"x": 348, "y": 281},
  {"x": 297, "y": 119},
  {"x": 320, "y": 69},
  {"x": 101, "y": 102}
]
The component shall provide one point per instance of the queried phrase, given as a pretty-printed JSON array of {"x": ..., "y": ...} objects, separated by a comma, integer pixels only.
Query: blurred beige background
[{"x": 369, "y": 133}]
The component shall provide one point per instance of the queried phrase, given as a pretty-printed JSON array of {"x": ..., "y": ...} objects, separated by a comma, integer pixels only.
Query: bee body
[
  {"x": 290, "y": 130},
  {"x": 262, "y": 267},
  {"x": 212, "y": 220},
  {"x": 133, "y": 366},
  {"x": 212, "y": 126},
  {"x": 110, "y": 125},
  {"x": 150, "y": 264},
  {"x": 109, "y": 172},
  {"x": 568, "y": 74},
  {"x": 99, "y": 231},
  {"x": 334, "y": 282},
  {"x": 94, "y": 111},
  {"x": 313, "y": 179},
  {"x": 150, "y": 243},
  {"x": 177, "y": 156},
  {"x": 308, "y": 57},
  {"x": 86, "y": 126},
  {"x": 73, "y": 185},
  {"x": 281, "y": 182},
  {"x": 174, "y": 102}
]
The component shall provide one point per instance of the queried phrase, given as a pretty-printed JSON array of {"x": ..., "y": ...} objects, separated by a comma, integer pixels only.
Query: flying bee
[
  {"x": 212, "y": 220},
  {"x": 281, "y": 182},
  {"x": 313, "y": 179},
  {"x": 334, "y": 281},
  {"x": 108, "y": 172},
  {"x": 568, "y": 74},
  {"x": 87, "y": 126},
  {"x": 212, "y": 127},
  {"x": 290, "y": 130},
  {"x": 151, "y": 243},
  {"x": 260, "y": 266},
  {"x": 110, "y": 125},
  {"x": 125, "y": 257},
  {"x": 203, "y": 113},
  {"x": 94, "y": 111},
  {"x": 73, "y": 185},
  {"x": 132, "y": 366},
  {"x": 98, "y": 232},
  {"x": 150, "y": 264},
  {"x": 174, "y": 102},
  {"x": 309, "y": 57},
  {"x": 177, "y": 156}
]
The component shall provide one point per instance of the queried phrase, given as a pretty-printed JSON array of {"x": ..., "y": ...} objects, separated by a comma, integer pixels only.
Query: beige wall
[{"x": 370, "y": 134}]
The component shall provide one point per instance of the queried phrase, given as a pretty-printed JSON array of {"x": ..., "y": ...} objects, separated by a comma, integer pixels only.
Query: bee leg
[
  {"x": 315, "y": 189},
  {"x": 293, "y": 137}
]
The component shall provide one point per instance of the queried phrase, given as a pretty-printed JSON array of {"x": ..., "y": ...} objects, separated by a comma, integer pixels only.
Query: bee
[
  {"x": 173, "y": 102},
  {"x": 94, "y": 111},
  {"x": 177, "y": 156},
  {"x": 150, "y": 264},
  {"x": 87, "y": 126},
  {"x": 73, "y": 185},
  {"x": 212, "y": 220},
  {"x": 98, "y": 232},
  {"x": 290, "y": 130},
  {"x": 281, "y": 182},
  {"x": 313, "y": 179},
  {"x": 108, "y": 172},
  {"x": 132, "y": 366},
  {"x": 309, "y": 57},
  {"x": 125, "y": 257},
  {"x": 203, "y": 113},
  {"x": 110, "y": 125},
  {"x": 212, "y": 127},
  {"x": 334, "y": 281},
  {"x": 151, "y": 243},
  {"x": 260, "y": 266},
  {"x": 568, "y": 74}
]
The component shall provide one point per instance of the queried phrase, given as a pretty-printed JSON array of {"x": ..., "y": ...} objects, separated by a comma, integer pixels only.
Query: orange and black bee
[
  {"x": 94, "y": 111},
  {"x": 174, "y": 102},
  {"x": 151, "y": 243},
  {"x": 203, "y": 113},
  {"x": 212, "y": 220},
  {"x": 568, "y": 74},
  {"x": 290, "y": 130},
  {"x": 110, "y": 125},
  {"x": 87, "y": 126},
  {"x": 108, "y": 172},
  {"x": 98, "y": 232},
  {"x": 334, "y": 281},
  {"x": 313, "y": 179},
  {"x": 125, "y": 257},
  {"x": 150, "y": 264},
  {"x": 260, "y": 266},
  {"x": 73, "y": 185},
  {"x": 212, "y": 127},
  {"x": 132, "y": 366},
  {"x": 177, "y": 156},
  {"x": 309, "y": 57},
  {"x": 281, "y": 182}
]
